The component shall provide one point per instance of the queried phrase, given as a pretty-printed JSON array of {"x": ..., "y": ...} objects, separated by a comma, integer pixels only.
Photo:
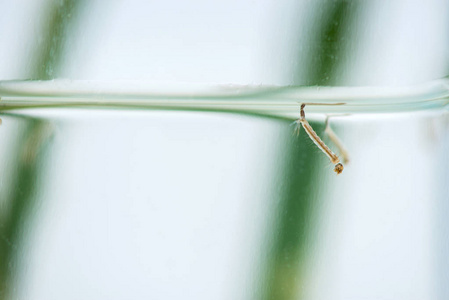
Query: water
[{"x": 206, "y": 193}]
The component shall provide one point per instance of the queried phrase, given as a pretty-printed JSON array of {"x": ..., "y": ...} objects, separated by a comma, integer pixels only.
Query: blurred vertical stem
[
  {"x": 293, "y": 214},
  {"x": 60, "y": 15},
  {"x": 300, "y": 183},
  {"x": 23, "y": 193},
  {"x": 47, "y": 64},
  {"x": 329, "y": 40}
]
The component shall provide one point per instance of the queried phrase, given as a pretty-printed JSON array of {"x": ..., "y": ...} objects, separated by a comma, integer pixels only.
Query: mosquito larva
[
  {"x": 336, "y": 141},
  {"x": 316, "y": 139}
]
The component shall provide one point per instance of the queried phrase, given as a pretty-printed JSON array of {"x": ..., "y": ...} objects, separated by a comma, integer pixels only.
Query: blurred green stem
[{"x": 60, "y": 15}]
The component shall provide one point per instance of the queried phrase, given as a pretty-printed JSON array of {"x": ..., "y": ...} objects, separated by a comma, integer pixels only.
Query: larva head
[{"x": 338, "y": 168}]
